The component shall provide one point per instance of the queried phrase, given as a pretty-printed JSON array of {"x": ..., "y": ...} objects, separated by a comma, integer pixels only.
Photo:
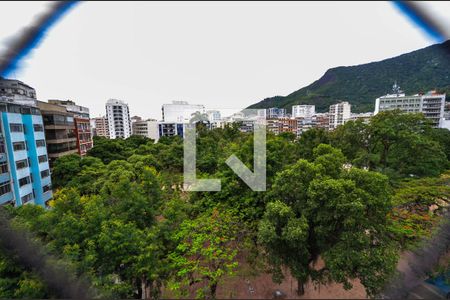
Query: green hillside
[{"x": 417, "y": 71}]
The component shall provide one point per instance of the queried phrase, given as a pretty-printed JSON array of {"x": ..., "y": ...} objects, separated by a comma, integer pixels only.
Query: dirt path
[{"x": 250, "y": 285}]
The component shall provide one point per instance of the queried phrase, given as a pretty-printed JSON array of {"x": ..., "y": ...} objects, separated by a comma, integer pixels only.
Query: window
[
  {"x": 18, "y": 146},
  {"x": 24, "y": 181},
  {"x": 45, "y": 173},
  {"x": 40, "y": 143},
  {"x": 27, "y": 198},
  {"x": 12, "y": 108},
  {"x": 20, "y": 164},
  {"x": 14, "y": 127},
  {"x": 42, "y": 158},
  {"x": 47, "y": 188},
  {"x": 5, "y": 188},
  {"x": 3, "y": 168},
  {"x": 26, "y": 110},
  {"x": 38, "y": 127}
]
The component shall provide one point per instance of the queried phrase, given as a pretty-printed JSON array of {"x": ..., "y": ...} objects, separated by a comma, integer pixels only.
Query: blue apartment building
[{"x": 24, "y": 167}]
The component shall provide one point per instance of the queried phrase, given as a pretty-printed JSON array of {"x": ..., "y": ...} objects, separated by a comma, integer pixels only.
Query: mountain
[{"x": 418, "y": 71}]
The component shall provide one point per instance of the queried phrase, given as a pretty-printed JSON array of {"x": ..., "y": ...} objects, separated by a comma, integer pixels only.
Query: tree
[
  {"x": 442, "y": 136},
  {"x": 65, "y": 168},
  {"x": 206, "y": 251},
  {"x": 419, "y": 156},
  {"x": 311, "y": 139},
  {"x": 396, "y": 143},
  {"x": 285, "y": 237},
  {"x": 354, "y": 140},
  {"x": 389, "y": 127},
  {"x": 110, "y": 149},
  {"x": 320, "y": 209},
  {"x": 17, "y": 282}
]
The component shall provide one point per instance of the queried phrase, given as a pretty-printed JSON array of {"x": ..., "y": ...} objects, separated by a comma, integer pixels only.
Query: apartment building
[
  {"x": 59, "y": 125},
  {"x": 430, "y": 104},
  {"x": 77, "y": 110},
  {"x": 83, "y": 134},
  {"x": 118, "y": 116},
  {"x": 180, "y": 111},
  {"x": 18, "y": 92},
  {"x": 24, "y": 167},
  {"x": 280, "y": 125},
  {"x": 339, "y": 114},
  {"x": 303, "y": 111},
  {"x": 100, "y": 127},
  {"x": 171, "y": 129},
  {"x": 365, "y": 117},
  {"x": 82, "y": 125},
  {"x": 147, "y": 128},
  {"x": 275, "y": 112}
]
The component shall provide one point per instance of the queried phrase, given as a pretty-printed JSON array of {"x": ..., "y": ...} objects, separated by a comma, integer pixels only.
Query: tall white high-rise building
[
  {"x": 118, "y": 116},
  {"x": 431, "y": 104},
  {"x": 180, "y": 111},
  {"x": 303, "y": 111},
  {"x": 339, "y": 114}
]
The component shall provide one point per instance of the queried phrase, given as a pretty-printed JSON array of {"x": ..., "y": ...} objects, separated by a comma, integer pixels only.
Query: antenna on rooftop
[{"x": 396, "y": 88}]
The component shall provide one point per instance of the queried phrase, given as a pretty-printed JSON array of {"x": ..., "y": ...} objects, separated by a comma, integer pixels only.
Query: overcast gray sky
[{"x": 222, "y": 55}]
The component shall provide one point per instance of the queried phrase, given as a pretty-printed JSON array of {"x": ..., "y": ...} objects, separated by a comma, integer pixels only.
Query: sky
[{"x": 225, "y": 55}]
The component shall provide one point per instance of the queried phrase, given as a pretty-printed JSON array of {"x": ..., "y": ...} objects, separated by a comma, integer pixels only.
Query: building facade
[
  {"x": 280, "y": 125},
  {"x": 321, "y": 120},
  {"x": 275, "y": 112},
  {"x": 364, "y": 117},
  {"x": 82, "y": 124},
  {"x": 118, "y": 116},
  {"x": 77, "y": 110},
  {"x": 135, "y": 119},
  {"x": 171, "y": 129},
  {"x": 83, "y": 134},
  {"x": 147, "y": 128},
  {"x": 180, "y": 111},
  {"x": 214, "y": 116},
  {"x": 59, "y": 125},
  {"x": 431, "y": 104},
  {"x": 303, "y": 111},
  {"x": 24, "y": 167},
  {"x": 100, "y": 127},
  {"x": 18, "y": 92},
  {"x": 339, "y": 114}
]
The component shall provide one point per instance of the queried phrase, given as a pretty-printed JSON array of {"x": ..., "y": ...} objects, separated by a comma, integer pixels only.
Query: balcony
[{"x": 6, "y": 198}]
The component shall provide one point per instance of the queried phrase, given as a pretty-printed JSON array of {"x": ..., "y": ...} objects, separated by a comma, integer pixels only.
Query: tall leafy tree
[
  {"x": 320, "y": 209},
  {"x": 206, "y": 252}
]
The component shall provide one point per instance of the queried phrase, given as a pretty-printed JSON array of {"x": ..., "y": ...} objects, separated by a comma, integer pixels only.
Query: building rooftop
[{"x": 115, "y": 101}]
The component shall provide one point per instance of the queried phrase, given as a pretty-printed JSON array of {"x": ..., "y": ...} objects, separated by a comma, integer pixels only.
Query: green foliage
[
  {"x": 121, "y": 218},
  {"x": 108, "y": 150},
  {"x": 412, "y": 218},
  {"x": 311, "y": 139},
  {"x": 396, "y": 143},
  {"x": 65, "y": 168},
  {"x": 417, "y": 71},
  {"x": 17, "y": 282},
  {"x": 206, "y": 252},
  {"x": 319, "y": 209},
  {"x": 111, "y": 235}
]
